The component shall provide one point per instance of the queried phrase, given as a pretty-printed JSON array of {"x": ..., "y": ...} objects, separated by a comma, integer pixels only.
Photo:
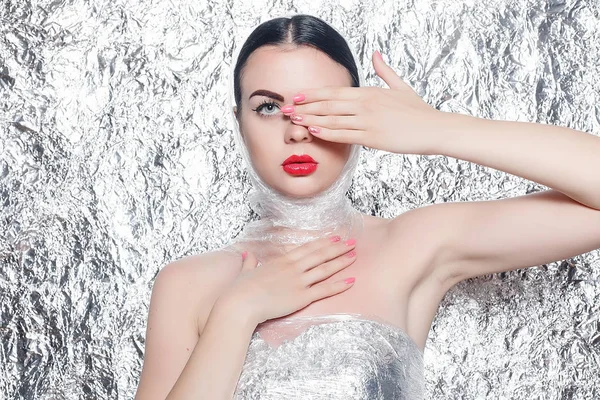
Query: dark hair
[{"x": 299, "y": 30}]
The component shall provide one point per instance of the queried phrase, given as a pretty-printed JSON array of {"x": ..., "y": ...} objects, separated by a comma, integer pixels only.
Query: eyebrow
[{"x": 267, "y": 93}]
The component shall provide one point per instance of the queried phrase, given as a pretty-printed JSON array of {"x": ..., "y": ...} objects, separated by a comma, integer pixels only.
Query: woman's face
[{"x": 270, "y": 136}]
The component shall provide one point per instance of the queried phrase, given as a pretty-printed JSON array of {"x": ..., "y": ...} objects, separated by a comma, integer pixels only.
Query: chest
[{"x": 382, "y": 287}]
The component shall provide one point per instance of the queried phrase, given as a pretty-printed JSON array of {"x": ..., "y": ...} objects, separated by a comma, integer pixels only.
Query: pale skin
[{"x": 405, "y": 265}]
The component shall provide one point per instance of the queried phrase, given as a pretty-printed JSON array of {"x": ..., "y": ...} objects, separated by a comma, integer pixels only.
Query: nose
[{"x": 297, "y": 133}]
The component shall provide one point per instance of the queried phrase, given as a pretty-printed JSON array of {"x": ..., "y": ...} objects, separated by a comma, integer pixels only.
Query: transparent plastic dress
[{"x": 340, "y": 356}]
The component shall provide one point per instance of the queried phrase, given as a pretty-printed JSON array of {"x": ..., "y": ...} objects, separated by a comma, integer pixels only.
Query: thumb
[
  {"x": 386, "y": 72},
  {"x": 249, "y": 261}
]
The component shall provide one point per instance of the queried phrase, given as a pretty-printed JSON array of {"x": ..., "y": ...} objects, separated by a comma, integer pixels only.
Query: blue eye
[{"x": 269, "y": 106}]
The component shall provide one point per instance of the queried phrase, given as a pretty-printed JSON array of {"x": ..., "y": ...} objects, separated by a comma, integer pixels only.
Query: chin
[{"x": 302, "y": 187}]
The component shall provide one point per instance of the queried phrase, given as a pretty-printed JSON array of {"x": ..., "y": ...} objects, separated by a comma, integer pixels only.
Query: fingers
[
  {"x": 328, "y": 289},
  {"x": 328, "y": 93},
  {"x": 349, "y": 136},
  {"x": 325, "y": 107},
  {"x": 301, "y": 252},
  {"x": 324, "y": 271},
  {"x": 324, "y": 254},
  {"x": 335, "y": 128},
  {"x": 249, "y": 261},
  {"x": 386, "y": 72},
  {"x": 330, "y": 121}
]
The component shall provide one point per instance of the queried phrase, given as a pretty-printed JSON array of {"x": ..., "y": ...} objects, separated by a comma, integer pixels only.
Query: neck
[
  {"x": 326, "y": 210},
  {"x": 287, "y": 222}
]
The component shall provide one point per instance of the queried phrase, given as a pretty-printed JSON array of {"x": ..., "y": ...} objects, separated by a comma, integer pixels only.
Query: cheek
[
  {"x": 249, "y": 137},
  {"x": 261, "y": 151},
  {"x": 342, "y": 152},
  {"x": 259, "y": 139}
]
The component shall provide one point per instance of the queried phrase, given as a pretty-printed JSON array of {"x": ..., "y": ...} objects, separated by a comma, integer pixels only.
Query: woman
[{"x": 327, "y": 302}]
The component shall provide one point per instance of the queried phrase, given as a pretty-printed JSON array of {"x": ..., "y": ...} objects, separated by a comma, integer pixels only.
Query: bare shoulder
[
  {"x": 183, "y": 294},
  {"x": 425, "y": 230},
  {"x": 199, "y": 279}
]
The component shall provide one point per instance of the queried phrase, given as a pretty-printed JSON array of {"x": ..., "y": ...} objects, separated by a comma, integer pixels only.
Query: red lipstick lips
[{"x": 299, "y": 165}]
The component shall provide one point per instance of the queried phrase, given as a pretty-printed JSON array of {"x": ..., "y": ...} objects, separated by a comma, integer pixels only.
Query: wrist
[
  {"x": 451, "y": 131},
  {"x": 234, "y": 309}
]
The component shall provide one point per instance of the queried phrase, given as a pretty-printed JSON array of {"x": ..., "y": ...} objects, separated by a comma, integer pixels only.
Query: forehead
[{"x": 287, "y": 70}]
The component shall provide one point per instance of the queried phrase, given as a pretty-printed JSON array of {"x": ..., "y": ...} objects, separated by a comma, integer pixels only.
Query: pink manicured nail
[
  {"x": 287, "y": 109},
  {"x": 296, "y": 118},
  {"x": 244, "y": 254},
  {"x": 298, "y": 98},
  {"x": 314, "y": 130},
  {"x": 351, "y": 254},
  {"x": 349, "y": 280},
  {"x": 350, "y": 242},
  {"x": 335, "y": 239}
]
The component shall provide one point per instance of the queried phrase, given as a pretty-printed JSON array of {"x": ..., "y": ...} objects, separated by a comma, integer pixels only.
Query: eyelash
[{"x": 264, "y": 104}]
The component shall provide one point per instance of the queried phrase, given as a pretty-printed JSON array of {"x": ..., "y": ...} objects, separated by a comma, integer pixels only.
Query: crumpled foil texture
[
  {"x": 337, "y": 356},
  {"x": 116, "y": 159}
]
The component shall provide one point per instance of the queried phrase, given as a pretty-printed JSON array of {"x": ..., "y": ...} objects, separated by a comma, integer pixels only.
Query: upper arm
[
  {"x": 172, "y": 330},
  {"x": 484, "y": 237}
]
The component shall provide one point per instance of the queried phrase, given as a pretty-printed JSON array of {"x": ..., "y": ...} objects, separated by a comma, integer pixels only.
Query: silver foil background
[{"x": 116, "y": 158}]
